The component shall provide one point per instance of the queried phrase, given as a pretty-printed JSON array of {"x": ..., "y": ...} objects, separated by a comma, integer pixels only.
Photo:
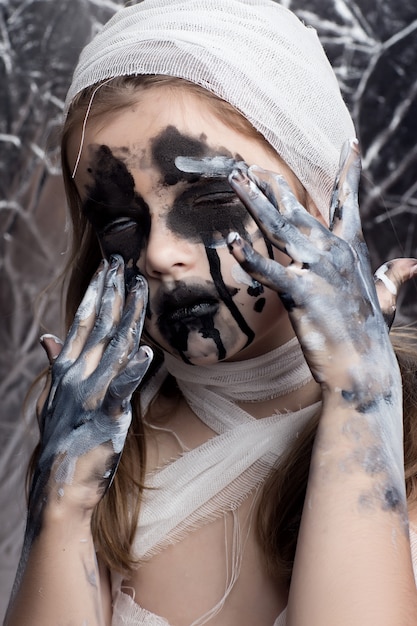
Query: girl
[{"x": 262, "y": 476}]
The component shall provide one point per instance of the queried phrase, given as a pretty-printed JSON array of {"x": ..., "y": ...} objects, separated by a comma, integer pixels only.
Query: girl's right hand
[{"x": 86, "y": 414}]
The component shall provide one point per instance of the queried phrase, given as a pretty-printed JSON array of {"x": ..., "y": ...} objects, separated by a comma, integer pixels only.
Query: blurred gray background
[{"x": 373, "y": 47}]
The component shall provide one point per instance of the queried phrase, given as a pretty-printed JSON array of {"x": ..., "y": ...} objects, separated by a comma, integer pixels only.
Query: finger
[
  {"x": 40, "y": 403},
  {"x": 279, "y": 193},
  {"x": 125, "y": 342},
  {"x": 138, "y": 295},
  {"x": 275, "y": 227},
  {"x": 52, "y": 346},
  {"x": 266, "y": 271},
  {"x": 84, "y": 317},
  {"x": 276, "y": 188},
  {"x": 122, "y": 386},
  {"x": 210, "y": 166},
  {"x": 108, "y": 316},
  {"x": 388, "y": 280},
  {"x": 344, "y": 217}
]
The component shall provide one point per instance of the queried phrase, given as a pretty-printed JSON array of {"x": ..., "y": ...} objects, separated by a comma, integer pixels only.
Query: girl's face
[{"x": 172, "y": 225}]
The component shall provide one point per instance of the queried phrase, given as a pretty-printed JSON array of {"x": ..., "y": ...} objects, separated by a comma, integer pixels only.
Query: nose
[{"x": 168, "y": 255}]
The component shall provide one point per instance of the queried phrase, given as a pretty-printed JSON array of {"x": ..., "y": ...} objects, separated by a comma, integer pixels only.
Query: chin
[
  {"x": 205, "y": 359},
  {"x": 211, "y": 356}
]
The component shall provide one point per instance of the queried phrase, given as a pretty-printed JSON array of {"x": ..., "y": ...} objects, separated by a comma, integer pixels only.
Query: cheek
[
  {"x": 118, "y": 214},
  {"x": 260, "y": 306}
]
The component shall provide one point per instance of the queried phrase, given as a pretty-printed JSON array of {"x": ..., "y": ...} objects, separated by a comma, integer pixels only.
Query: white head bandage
[{"x": 254, "y": 54}]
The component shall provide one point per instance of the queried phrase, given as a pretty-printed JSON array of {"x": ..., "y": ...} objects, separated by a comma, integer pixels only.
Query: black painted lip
[
  {"x": 186, "y": 302},
  {"x": 199, "y": 309}
]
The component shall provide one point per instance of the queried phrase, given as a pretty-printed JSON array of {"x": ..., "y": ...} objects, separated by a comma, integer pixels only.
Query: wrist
[
  {"x": 75, "y": 499},
  {"x": 362, "y": 427},
  {"x": 360, "y": 399},
  {"x": 364, "y": 390},
  {"x": 65, "y": 512},
  {"x": 75, "y": 493}
]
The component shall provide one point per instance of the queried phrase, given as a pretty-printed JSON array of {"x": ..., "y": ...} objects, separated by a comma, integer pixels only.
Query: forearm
[
  {"x": 60, "y": 582},
  {"x": 353, "y": 563},
  {"x": 85, "y": 412}
]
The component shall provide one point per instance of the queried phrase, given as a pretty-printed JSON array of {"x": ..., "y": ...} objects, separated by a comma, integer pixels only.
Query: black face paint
[
  {"x": 207, "y": 208},
  {"x": 259, "y": 305},
  {"x": 185, "y": 309},
  {"x": 118, "y": 214},
  {"x": 204, "y": 211},
  {"x": 226, "y": 296},
  {"x": 255, "y": 290},
  {"x": 167, "y": 146}
]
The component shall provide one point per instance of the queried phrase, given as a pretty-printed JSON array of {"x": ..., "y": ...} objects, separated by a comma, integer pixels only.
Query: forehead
[
  {"x": 161, "y": 125},
  {"x": 150, "y": 134},
  {"x": 138, "y": 125}
]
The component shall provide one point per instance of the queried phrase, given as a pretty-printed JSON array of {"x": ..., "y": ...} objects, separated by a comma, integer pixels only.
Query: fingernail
[
  {"x": 115, "y": 261},
  {"x": 233, "y": 238},
  {"x": 238, "y": 176},
  {"x": 49, "y": 349},
  {"x": 138, "y": 282},
  {"x": 49, "y": 336},
  {"x": 148, "y": 351}
]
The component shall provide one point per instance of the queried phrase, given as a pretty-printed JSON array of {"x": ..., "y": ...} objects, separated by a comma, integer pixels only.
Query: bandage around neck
[
  {"x": 255, "y": 54},
  {"x": 205, "y": 482}
]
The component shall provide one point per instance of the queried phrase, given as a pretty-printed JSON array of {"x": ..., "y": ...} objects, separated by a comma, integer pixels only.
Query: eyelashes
[
  {"x": 214, "y": 200},
  {"x": 125, "y": 237},
  {"x": 118, "y": 226}
]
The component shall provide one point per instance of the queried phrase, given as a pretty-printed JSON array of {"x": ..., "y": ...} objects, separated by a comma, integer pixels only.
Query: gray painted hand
[
  {"x": 327, "y": 288},
  {"x": 92, "y": 379}
]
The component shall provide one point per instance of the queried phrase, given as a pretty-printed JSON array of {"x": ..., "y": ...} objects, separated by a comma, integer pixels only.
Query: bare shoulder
[{"x": 105, "y": 591}]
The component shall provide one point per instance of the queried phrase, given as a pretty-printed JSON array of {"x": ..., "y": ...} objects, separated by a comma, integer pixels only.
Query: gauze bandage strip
[{"x": 255, "y": 54}]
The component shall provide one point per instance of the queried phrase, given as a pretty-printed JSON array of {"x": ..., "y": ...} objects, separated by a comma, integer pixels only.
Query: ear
[{"x": 311, "y": 207}]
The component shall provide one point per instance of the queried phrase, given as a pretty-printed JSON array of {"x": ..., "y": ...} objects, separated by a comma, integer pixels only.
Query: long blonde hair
[{"x": 280, "y": 509}]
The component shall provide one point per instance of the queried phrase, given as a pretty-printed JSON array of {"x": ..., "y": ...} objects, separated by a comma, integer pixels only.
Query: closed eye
[
  {"x": 119, "y": 225},
  {"x": 217, "y": 199}
]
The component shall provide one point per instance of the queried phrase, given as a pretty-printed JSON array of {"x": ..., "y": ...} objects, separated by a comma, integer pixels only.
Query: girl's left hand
[{"x": 327, "y": 288}]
